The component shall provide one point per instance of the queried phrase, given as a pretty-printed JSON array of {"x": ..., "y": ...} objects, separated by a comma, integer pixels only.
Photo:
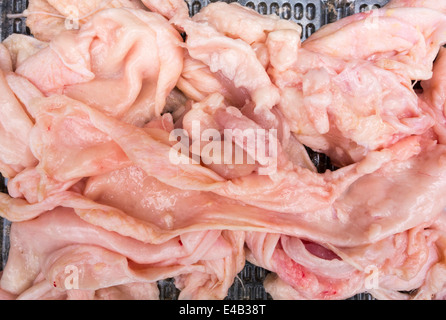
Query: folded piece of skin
[{"x": 120, "y": 175}]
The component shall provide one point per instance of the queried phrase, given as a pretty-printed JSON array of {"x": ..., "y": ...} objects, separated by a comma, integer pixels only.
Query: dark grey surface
[{"x": 311, "y": 15}]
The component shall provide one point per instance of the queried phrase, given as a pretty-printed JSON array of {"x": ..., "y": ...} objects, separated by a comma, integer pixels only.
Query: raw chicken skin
[
  {"x": 21, "y": 47},
  {"x": 5, "y": 59},
  {"x": 105, "y": 259},
  {"x": 48, "y": 18},
  {"x": 230, "y": 214},
  {"x": 232, "y": 58},
  {"x": 270, "y": 252},
  {"x": 403, "y": 261},
  {"x": 403, "y": 256},
  {"x": 245, "y": 24},
  {"x": 168, "y": 8},
  {"x": 434, "y": 90},
  {"x": 172, "y": 211},
  {"x": 344, "y": 109},
  {"x": 201, "y": 179},
  {"x": 46, "y": 25},
  {"x": 431, "y": 4},
  {"x": 197, "y": 82},
  {"x": 433, "y": 96},
  {"x": 263, "y": 191},
  {"x": 16, "y": 154},
  {"x": 106, "y": 198},
  {"x": 53, "y": 141},
  {"x": 140, "y": 85},
  {"x": 405, "y": 40},
  {"x": 327, "y": 213}
]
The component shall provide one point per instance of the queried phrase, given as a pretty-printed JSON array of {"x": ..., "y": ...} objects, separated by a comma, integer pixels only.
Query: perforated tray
[{"x": 311, "y": 15}]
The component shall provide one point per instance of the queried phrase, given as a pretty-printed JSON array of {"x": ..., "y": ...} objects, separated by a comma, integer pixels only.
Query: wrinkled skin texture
[
  {"x": 433, "y": 89},
  {"x": 433, "y": 96},
  {"x": 168, "y": 8},
  {"x": 410, "y": 53},
  {"x": 16, "y": 153},
  {"x": 140, "y": 85},
  {"x": 405, "y": 261},
  {"x": 245, "y": 23},
  {"x": 67, "y": 241},
  {"x": 338, "y": 125},
  {"x": 431, "y": 4},
  {"x": 335, "y": 97},
  {"x": 6, "y": 63},
  {"x": 48, "y": 18},
  {"x": 21, "y": 47},
  {"x": 235, "y": 60},
  {"x": 99, "y": 177},
  {"x": 202, "y": 181}
]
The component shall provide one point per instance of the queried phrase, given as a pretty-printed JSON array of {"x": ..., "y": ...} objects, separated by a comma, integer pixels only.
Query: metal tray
[{"x": 311, "y": 15}]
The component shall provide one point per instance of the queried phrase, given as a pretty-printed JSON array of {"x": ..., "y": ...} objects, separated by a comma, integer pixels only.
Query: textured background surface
[{"x": 311, "y": 15}]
